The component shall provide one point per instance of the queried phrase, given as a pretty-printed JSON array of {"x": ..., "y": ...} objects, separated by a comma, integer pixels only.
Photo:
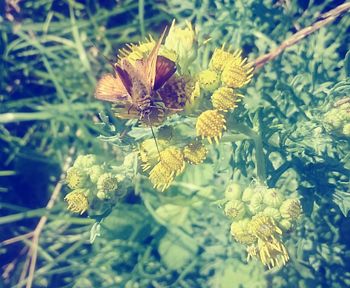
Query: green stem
[{"x": 259, "y": 152}]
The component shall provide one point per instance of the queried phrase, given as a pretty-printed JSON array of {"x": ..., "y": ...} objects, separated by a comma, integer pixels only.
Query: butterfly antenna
[
  {"x": 154, "y": 136},
  {"x": 105, "y": 57}
]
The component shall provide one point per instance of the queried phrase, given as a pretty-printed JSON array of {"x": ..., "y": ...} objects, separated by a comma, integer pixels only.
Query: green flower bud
[
  {"x": 240, "y": 232},
  {"x": 107, "y": 183},
  {"x": 273, "y": 198},
  {"x": 272, "y": 212},
  {"x": 346, "y": 129},
  {"x": 75, "y": 178},
  {"x": 247, "y": 194},
  {"x": 285, "y": 224},
  {"x": 85, "y": 161},
  {"x": 101, "y": 195},
  {"x": 291, "y": 209},
  {"x": 95, "y": 172},
  {"x": 235, "y": 209},
  {"x": 209, "y": 80},
  {"x": 233, "y": 191},
  {"x": 256, "y": 203}
]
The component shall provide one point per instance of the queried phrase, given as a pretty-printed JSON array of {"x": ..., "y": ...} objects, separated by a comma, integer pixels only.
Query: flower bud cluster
[
  {"x": 226, "y": 72},
  {"x": 338, "y": 118},
  {"x": 90, "y": 181},
  {"x": 260, "y": 216},
  {"x": 169, "y": 161}
]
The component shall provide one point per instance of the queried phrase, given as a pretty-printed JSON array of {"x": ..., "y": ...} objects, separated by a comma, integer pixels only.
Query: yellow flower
[
  {"x": 221, "y": 57},
  {"x": 235, "y": 209},
  {"x": 225, "y": 99},
  {"x": 75, "y": 178},
  {"x": 195, "y": 152},
  {"x": 161, "y": 176},
  {"x": 237, "y": 75},
  {"x": 210, "y": 124},
  {"x": 134, "y": 52},
  {"x": 183, "y": 43},
  {"x": 173, "y": 158},
  {"x": 208, "y": 80},
  {"x": 148, "y": 152},
  {"x": 264, "y": 227},
  {"x": 240, "y": 232},
  {"x": 291, "y": 209},
  {"x": 272, "y": 253},
  {"x": 77, "y": 201}
]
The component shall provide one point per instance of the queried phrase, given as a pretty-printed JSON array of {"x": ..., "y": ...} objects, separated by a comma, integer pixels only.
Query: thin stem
[{"x": 295, "y": 38}]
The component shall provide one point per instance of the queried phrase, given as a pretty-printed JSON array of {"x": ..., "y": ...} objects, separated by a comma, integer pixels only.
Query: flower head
[
  {"x": 210, "y": 124},
  {"x": 264, "y": 227},
  {"x": 75, "y": 178},
  {"x": 225, "y": 99},
  {"x": 161, "y": 176},
  {"x": 183, "y": 43},
  {"x": 291, "y": 209},
  {"x": 77, "y": 201},
  {"x": 173, "y": 158},
  {"x": 235, "y": 209},
  {"x": 272, "y": 253},
  {"x": 209, "y": 80},
  {"x": 85, "y": 161},
  {"x": 240, "y": 232},
  {"x": 107, "y": 183},
  {"x": 148, "y": 152},
  {"x": 195, "y": 152},
  {"x": 221, "y": 57},
  {"x": 273, "y": 197},
  {"x": 256, "y": 202},
  {"x": 134, "y": 52},
  {"x": 237, "y": 75}
]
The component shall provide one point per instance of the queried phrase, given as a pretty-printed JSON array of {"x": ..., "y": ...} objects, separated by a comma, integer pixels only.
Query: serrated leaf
[{"x": 342, "y": 199}]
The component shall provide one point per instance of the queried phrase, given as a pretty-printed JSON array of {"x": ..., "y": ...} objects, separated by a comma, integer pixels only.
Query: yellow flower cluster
[
  {"x": 227, "y": 71},
  {"x": 169, "y": 161},
  {"x": 260, "y": 215},
  {"x": 90, "y": 181}
]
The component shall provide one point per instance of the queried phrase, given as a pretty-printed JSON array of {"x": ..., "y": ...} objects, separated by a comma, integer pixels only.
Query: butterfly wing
[
  {"x": 150, "y": 64},
  {"x": 165, "y": 68},
  {"x": 111, "y": 88}
]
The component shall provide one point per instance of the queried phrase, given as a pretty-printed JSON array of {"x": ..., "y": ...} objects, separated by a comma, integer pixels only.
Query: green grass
[{"x": 48, "y": 72}]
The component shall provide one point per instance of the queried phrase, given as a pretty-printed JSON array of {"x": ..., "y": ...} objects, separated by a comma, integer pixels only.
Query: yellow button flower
[
  {"x": 272, "y": 253},
  {"x": 209, "y": 80},
  {"x": 195, "y": 152},
  {"x": 225, "y": 99},
  {"x": 264, "y": 227},
  {"x": 240, "y": 232},
  {"x": 161, "y": 176},
  {"x": 210, "y": 124},
  {"x": 77, "y": 201}
]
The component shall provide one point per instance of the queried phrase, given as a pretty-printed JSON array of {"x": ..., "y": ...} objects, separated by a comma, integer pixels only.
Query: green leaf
[
  {"x": 347, "y": 64},
  {"x": 342, "y": 199},
  {"x": 177, "y": 250}
]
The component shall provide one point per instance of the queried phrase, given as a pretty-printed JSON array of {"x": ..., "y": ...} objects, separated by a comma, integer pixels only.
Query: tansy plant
[{"x": 199, "y": 100}]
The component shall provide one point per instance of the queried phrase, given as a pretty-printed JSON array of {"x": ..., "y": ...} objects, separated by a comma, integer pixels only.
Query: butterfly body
[{"x": 133, "y": 86}]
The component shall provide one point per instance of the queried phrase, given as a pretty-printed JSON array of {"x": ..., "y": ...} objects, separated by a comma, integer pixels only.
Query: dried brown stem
[
  {"x": 325, "y": 19},
  {"x": 33, "y": 251}
]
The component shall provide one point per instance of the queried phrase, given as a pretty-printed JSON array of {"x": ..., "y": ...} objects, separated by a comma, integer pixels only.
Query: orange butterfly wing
[
  {"x": 111, "y": 88},
  {"x": 165, "y": 68}
]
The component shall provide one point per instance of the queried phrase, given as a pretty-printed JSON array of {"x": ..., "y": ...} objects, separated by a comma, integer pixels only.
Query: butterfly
[{"x": 133, "y": 86}]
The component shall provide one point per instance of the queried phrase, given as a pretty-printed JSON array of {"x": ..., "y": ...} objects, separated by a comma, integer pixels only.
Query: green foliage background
[{"x": 179, "y": 238}]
